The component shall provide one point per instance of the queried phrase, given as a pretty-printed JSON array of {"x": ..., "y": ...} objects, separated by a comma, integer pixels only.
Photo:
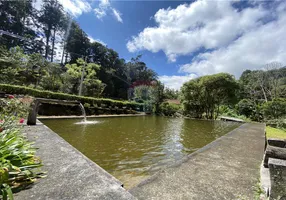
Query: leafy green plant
[
  {"x": 245, "y": 107},
  {"x": 17, "y": 155},
  {"x": 17, "y": 160},
  {"x": 169, "y": 109},
  {"x": 274, "y": 109}
]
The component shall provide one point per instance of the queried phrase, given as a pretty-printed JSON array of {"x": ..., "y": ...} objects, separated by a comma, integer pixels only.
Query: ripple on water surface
[{"x": 134, "y": 148}]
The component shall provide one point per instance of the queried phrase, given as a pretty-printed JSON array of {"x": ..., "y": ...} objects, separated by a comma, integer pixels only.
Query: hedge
[{"x": 100, "y": 102}]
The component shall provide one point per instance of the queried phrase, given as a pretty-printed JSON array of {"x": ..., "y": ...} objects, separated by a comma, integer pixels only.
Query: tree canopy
[{"x": 205, "y": 95}]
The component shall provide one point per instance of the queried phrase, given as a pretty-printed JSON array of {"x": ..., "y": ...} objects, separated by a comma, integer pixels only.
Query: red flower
[
  {"x": 11, "y": 96},
  {"x": 21, "y": 121}
]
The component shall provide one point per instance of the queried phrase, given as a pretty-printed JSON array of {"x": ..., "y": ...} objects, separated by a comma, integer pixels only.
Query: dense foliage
[
  {"x": 258, "y": 95},
  {"x": 17, "y": 155},
  {"x": 264, "y": 93},
  {"x": 12, "y": 89},
  {"x": 38, "y": 63},
  {"x": 169, "y": 109},
  {"x": 202, "y": 97}
]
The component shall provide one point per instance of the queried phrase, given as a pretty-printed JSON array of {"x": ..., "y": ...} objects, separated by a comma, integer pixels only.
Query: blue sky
[
  {"x": 136, "y": 15},
  {"x": 183, "y": 40}
]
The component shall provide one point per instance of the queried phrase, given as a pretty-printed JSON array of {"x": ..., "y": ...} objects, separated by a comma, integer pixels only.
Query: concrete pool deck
[
  {"x": 227, "y": 168},
  {"x": 70, "y": 175}
]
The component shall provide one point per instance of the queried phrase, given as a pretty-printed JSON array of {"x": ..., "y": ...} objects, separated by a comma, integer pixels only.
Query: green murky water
[{"x": 133, "y": 148}]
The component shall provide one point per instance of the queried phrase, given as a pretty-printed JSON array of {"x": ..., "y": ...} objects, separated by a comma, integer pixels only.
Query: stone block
[{"x": 277, "y": 169}]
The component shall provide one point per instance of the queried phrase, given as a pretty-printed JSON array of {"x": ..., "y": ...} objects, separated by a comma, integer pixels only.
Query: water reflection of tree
[{"x": 198, "y": 133}]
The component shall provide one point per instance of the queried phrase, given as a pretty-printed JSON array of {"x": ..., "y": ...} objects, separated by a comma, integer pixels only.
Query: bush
[
  {"x": 245, "y": 107},
  {"x": 230, "y": 112},
  {"x": 276, "y": 123},
  {"x": 17, "y": 156},
  {"x": 13, "y": 89},
  {"x": 274, "y": 109},
  {"x": 169, "y": 109}
]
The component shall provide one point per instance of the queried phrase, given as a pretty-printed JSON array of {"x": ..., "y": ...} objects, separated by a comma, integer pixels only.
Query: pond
[{"x": 134, "y": 148}]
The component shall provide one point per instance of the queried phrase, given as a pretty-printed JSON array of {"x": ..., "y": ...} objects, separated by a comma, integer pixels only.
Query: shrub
[
  {"x": 17, "y": 156},
  {"x": 246, "y": 107},
  {"x": 13, "y": 89},
  {"x": 274, "y": 109},
  {"x": 230, "y": 112},
  {"x": 169, "y": 109}
]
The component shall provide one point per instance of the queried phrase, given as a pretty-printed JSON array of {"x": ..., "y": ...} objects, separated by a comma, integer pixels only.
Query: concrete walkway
[
  {"x": 227, "y": 168},
  {"x": 70, "y": 175}
]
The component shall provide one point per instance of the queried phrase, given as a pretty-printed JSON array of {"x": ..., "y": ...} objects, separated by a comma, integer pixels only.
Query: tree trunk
[
  {"x": 53, "y": 45},
  {"x": 47, "y": 44},
  {"x": 264, "y": 94},
  {"x": 63, "y": 53}
]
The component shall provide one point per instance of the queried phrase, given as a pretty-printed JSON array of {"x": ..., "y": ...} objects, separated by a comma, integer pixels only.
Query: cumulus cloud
[
  {"x": 253, "y": 50},
  {"x": 175, "y": 82},
  {"x": 96, "y": 40},
  {"x": 104, "y": 7},
  {"x": 218, "y": 36},
  {"x": 74, "y": 7}
]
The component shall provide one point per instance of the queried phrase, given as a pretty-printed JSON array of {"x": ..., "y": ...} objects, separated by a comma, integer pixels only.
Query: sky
[{"x": 182, "y": 40}]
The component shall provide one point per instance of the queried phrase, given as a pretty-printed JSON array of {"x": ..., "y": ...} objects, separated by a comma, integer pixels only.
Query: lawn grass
[{"x": 275, "y": 133}]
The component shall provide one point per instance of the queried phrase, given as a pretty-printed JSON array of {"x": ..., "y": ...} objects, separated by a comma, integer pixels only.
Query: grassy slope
[{"x": 275, "y": 133}]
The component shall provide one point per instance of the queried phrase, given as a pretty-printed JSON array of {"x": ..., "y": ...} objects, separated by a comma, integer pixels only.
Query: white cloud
[
  {"x": 253, "y": 50},
  {"x": 74, "y": 7},
  {"x": 99, "y": 13},
  {"x": 176, "y": 82},
  {"x": 207, "y": 24},
  {"x": 235, "y": 40},
  {"x": 117, "y": 15},
  {"x": 96, "y": 40},
  {"x": 104, "y": 7}
]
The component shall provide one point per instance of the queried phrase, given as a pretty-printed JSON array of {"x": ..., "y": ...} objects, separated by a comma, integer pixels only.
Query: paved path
[
  {"x": 70, "y": 175},
  {"x": 227, "y": 168}
]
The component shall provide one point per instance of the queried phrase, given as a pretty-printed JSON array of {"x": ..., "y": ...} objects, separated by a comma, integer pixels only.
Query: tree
[
  {"x": 171, "y": 94},
  {"x": 137, "y": 70},
  {"x": 77, "y": 43},
  {"x": 52, "y": 78},
  {"x": 157, "y": 96},
  {"x": 206, "y": 94},
  {"x": 20, "y": 68},
  {"x": 53, "y": 19},
  {"x": 264, "y": 85},
  {"x": 275, "y": 109},
  {"x": 19, "y": 18},
  {"x": 91, "y": 85},
  {"x": 192, "y": 98}
]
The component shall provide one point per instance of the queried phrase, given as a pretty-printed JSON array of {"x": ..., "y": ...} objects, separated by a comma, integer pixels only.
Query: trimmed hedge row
[{"x": 96, "y": 102}]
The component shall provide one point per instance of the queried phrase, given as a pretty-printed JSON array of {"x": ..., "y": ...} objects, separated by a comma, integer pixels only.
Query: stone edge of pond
[
  {"x": 70, "y": 174},
  {"x": 186, "y": 158},
  {"x": 90, "y": 116}
]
